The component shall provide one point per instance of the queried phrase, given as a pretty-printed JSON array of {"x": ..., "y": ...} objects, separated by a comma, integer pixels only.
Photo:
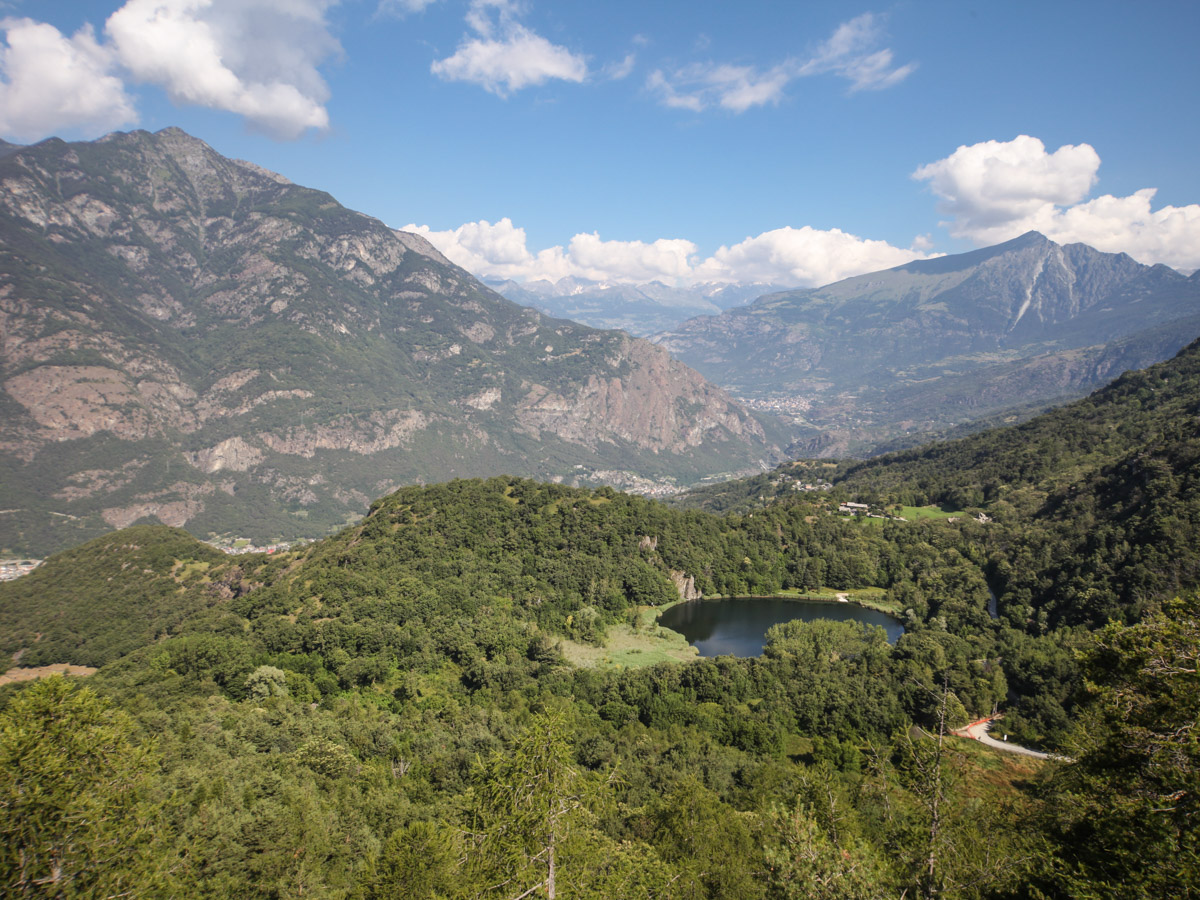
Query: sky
[{"x": 794, "y": 143}]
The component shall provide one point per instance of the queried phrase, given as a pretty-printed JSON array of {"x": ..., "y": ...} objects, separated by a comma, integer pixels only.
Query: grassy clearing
[
  {"x": 627, "y": 647},
  {"x": 874, "y": 598},
  {"x": 912, "y": 513},
  {"x": 915, "y": 514},
  {"x": 33, "y": 672},
  {"x": 993, "y": 775}
]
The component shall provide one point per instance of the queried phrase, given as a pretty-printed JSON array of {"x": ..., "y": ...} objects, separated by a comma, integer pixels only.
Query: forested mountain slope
[
  {"x": 387, "y": 712},
  {"x": 195, "y": 340},
  {"x": 1101, "y": 497}
]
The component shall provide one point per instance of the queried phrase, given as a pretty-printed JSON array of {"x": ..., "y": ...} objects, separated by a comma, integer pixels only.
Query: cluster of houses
[
  {"x": 15, "y": 568},
  {"x": 863, "y": 509},
  {"x": 813, "y": 486},
  {"x": 798, "y": 485},
  {"x": 239, "y": 546}
]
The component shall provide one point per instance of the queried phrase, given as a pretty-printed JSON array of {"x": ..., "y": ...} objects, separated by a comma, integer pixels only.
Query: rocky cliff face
[
  {"x": 937, "y": 342},
  {"x": 195, "y": 339}
]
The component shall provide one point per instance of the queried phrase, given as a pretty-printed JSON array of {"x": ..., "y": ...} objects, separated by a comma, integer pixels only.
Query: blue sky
[{"x": 793, "y": 142}]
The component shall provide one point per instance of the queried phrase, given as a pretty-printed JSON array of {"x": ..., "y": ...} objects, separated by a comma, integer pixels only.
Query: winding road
[{"x": 978, "y": 731}]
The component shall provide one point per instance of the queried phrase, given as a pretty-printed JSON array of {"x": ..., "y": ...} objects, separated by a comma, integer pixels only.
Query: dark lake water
[{"x": 738, "y": 626}]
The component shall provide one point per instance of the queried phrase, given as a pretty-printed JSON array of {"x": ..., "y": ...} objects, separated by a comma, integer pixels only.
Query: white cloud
[
  {"x": 505, "y": 56},
  {"x": 501, "y": 251},
  {"x": 620, "y": 70},
  {"x": 665, "y": 259},
  {"x": 989, "y": 186},
  {"x": 50, "y": 83},
  {"x": 998, "y": 190},
  {"x": 849, "y": 53},
  {"x": 805, "y": 257},
  {"x": 1168, "y": 235},
  {"x": 404, "y": 7},
  {"x": 703, "y": 85},
  {"x": 256, "y": 58},
  {"x": 495, "y": 250}
]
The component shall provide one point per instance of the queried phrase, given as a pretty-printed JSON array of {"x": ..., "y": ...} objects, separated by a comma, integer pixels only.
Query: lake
[{"x": 738, "y": 626}]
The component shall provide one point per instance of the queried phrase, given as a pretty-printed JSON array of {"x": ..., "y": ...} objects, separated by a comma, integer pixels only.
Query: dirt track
[{"x": 33, "y": 672}]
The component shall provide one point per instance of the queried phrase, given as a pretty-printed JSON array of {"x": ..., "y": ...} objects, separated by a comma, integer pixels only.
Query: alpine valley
[
  {"x": 196, "y": 340},
  {"x": 997, "y": 333},
  {"x": 640, "y": 309}
]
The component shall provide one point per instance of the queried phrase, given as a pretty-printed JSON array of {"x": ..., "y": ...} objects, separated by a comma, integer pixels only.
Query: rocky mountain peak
[
  {"x": 934, "y": 342},
  {"x": 194, "y": 339}
]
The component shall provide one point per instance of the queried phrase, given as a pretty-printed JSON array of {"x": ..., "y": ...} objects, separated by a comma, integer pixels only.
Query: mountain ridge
[
  {"x": 845, "y": 354},
  {"x": 198, "y": 340}
]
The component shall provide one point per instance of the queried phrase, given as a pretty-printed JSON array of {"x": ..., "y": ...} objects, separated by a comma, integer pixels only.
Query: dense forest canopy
[{"x": 389, "y": 712}]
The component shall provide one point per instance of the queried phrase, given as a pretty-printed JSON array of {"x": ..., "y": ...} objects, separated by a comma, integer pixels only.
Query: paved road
[{"x": 978, "y": 731}]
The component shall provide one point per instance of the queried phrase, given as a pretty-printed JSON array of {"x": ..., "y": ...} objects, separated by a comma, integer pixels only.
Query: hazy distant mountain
[
  {"x": 639, "y": 309},
  {"x": 934, "y": 343},
  {"x": 195, "y": 339}
]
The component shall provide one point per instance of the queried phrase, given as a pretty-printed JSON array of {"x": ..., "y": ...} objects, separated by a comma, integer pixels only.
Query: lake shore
[{"x": 867, "y": 598}]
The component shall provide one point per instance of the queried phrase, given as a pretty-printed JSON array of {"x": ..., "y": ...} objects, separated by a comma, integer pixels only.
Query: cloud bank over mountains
[
  {"x": 994, "y": 191},
  {"x": 804, "y": 257}
]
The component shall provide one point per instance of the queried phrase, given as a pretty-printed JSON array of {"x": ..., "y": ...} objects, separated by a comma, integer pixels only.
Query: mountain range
[
  {"x": 936, "y": 343},
  {"x": 196, "y": 340},
  {"x": 641, "y": 309}
]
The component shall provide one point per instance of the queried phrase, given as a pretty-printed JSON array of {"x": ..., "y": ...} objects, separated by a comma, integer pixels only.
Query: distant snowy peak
[{"x": 641, "y": 309}]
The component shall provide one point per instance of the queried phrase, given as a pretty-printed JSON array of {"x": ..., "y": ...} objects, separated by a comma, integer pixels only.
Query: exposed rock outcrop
[
  {"x": 686, "y": 585},
  {"x": 227, "y": 330}
]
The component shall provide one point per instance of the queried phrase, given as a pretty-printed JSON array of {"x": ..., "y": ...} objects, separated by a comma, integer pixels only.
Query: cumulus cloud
[
  {"x": 989, "y": 186},
  {"x": 501, "y": 250},
  {"x": 256, "y": 58},
  {"x": 504, "y": 56},
  {"x": 997, "y": 190},
  {"x": 665, "y": 259},
  {"x": 804, "y": 257},
  {"x": 49, "y": 83},
  {"x": 852, "y": 52}
]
